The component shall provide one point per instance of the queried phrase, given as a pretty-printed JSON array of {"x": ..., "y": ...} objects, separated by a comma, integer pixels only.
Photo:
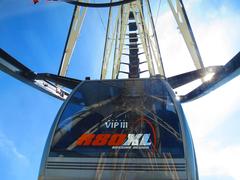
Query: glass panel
[{"x": 121, "y": 118}]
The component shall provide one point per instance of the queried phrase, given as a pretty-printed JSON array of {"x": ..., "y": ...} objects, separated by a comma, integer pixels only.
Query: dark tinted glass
[{"x": 121, "y": 118}]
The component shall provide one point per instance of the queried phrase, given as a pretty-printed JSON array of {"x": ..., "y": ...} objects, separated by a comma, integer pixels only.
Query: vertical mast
[{"x": 134, "y": 39}]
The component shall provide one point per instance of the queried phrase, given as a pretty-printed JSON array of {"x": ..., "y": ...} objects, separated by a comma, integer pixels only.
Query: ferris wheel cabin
[
  {"x": 130, "y": 129},
  {"x": 122, "y": 129}
]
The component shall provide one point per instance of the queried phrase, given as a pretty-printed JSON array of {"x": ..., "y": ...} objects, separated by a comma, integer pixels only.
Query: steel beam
[
  {"x": 158, "y": 59},
  {"x": 181, "y": 18},
  {"x": 75, "y": 27},
  {"x": 125, "y": 10},
  {"x": 109, "y": 40}
]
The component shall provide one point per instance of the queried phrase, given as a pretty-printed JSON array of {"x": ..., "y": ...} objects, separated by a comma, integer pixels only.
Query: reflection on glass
[{"x": 119, "y": 119}]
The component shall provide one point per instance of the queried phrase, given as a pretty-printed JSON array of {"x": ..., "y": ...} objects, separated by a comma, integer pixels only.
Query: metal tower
[{"x": 131, "y": 33}]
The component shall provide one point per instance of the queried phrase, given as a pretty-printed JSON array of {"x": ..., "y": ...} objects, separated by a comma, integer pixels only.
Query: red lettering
[
  {"x": 85, "y": 140},
  {"x": 117, "y": 139},
  {"x": 101, "y": 139}
]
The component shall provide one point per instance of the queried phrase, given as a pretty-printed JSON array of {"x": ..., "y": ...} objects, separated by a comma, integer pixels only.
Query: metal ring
[{"x": 96, "y": 5}]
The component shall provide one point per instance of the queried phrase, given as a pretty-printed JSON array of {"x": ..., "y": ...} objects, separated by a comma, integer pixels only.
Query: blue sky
[{"x": 36, "y": 35}]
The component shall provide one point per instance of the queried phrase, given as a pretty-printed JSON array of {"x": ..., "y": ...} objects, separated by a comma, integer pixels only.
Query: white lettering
[
  {"x": 116, "y": 124},
  {"x": 108, "y": 124},
  {"x": 133, "y": 139},
  {"x": 145, "y": 140}
]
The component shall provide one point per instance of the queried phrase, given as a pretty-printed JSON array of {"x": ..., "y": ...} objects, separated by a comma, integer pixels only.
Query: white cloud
[
  {"x": 8, "y": 148},
  {"x": 13, "y": 162},
  {"x": 218, "y": 38},
  {"x": 216, "y": 160},
  {"x": 213, "y": 108},
  {"x": 216, "y": 33},
  {"x": 173, "y": 49}
]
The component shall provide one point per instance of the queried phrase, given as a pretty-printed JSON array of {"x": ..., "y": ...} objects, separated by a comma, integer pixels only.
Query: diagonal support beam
[
  {"x": 125, "y": 10},
  {"x": 109, "y": 40},
  {"x": 75, "y": 27},
  {"x": 181, "y": 18},
  {"x": 158, "y": 59},
  {"x": 116, "y": 50}
]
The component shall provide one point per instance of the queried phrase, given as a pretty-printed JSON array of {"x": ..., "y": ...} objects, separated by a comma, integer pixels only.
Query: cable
[
  {"x": 99, "y": 14},
  {"x": 104, "y": 27},
  {"x": 96, "y": 5},
  {"x": 158, "y": 12}
]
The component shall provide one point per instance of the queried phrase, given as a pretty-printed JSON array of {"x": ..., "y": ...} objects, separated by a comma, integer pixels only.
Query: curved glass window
[{"x": 119, "y": 118}]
